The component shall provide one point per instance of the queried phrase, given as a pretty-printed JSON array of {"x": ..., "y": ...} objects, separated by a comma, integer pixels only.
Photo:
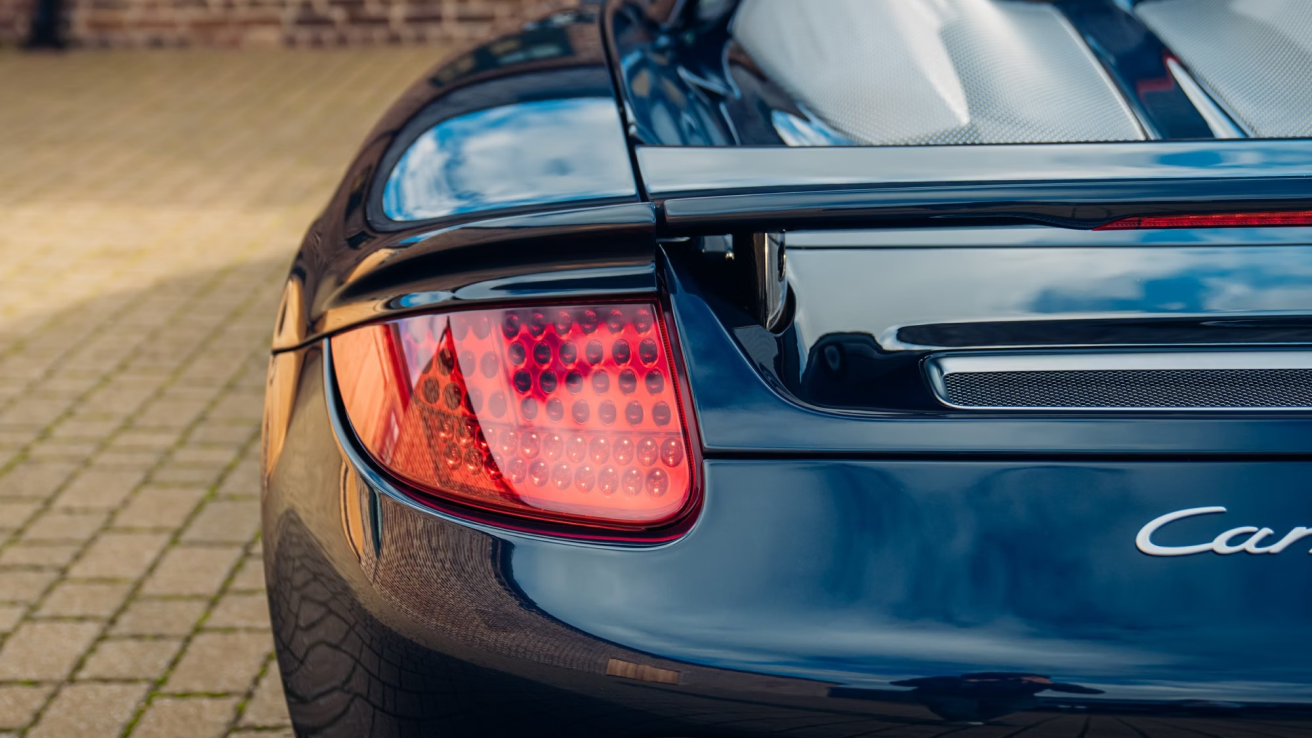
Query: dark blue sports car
[{"x": 899, "y": 368}]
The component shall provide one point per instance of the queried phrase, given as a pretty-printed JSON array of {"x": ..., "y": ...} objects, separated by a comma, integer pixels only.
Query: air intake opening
[{"x": 1274, "y": 380}]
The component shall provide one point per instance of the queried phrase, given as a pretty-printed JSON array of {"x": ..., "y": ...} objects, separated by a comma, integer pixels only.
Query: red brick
[{"x": 230, "y": 23}]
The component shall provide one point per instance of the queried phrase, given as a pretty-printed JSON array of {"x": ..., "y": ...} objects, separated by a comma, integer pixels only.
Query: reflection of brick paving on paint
[{"x": 150, "y": 203}]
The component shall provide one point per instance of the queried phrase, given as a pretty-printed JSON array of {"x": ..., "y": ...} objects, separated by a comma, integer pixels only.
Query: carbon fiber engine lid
[
  {"x": 936, "y": 72},
  {"x": 1254, "y": 56}
]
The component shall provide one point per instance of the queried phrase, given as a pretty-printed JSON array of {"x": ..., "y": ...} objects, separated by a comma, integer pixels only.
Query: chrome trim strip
[
  {"x": 1083, "y": 361},
  {"x": 673, "y": 170},
  {"x": 939, "y": 366},
  {"x": 770, "y": 277},
  {"x": 1222, "y": 125},
  {"x": 1039, "y": 236}
]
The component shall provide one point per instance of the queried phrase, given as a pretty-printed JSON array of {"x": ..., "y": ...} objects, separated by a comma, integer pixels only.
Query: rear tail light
[
  {"x": 1212, "y": 220},
  {"x": 566, "y": 414}
]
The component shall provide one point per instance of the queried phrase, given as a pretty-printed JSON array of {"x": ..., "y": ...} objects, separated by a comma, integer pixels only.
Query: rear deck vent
[{"x": 1141, "y": 382}]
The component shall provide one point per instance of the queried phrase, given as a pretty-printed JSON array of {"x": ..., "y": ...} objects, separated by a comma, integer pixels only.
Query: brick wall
[
  {"x": 235, "y": 23},
  {"x": 13, "y": 19}
]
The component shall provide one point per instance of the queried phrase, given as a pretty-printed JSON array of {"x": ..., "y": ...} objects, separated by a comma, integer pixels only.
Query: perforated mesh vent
[
  {"x": 1140, "y": 388},
  {"x": 1255, "y": 55},
  {"x": 898, "y": 72}
]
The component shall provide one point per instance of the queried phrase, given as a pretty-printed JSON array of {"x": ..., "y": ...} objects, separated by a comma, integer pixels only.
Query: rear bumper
[{"x": 803, "y": 591}]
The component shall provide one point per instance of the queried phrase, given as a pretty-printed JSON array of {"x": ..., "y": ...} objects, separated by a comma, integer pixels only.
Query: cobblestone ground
[{"x": 149, "y": 206}]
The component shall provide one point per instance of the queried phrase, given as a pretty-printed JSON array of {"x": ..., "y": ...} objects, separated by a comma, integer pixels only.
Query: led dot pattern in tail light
[{"x": 566, "y": 414}]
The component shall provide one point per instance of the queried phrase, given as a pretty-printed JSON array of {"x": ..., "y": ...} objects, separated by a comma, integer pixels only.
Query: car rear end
[{"x": 954, "y": 384}]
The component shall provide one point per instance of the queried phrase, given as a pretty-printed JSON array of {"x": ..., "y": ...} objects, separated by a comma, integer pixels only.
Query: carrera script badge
[{"x": 1244, "y": 539}]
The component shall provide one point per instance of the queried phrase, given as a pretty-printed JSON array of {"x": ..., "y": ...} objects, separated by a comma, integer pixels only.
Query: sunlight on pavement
[{"x": 151, "y": 203}]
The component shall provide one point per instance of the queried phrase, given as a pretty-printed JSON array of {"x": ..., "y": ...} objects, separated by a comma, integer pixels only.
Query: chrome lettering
[
  {"x": 1292, "y": 537},
  {"x": 1145, "y": 538},
  {"x": 1222, "y": 543},
  {"x": 1246, "y": 538}
]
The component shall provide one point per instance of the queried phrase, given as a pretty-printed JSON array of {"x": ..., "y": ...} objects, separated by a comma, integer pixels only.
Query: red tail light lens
[
  {"x": 1212, "y": 220},
  {"x": 569, "y": 414}
]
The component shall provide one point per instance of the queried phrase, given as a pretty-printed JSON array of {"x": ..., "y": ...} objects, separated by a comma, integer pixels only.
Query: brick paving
[{"x": 150, "y": 203}]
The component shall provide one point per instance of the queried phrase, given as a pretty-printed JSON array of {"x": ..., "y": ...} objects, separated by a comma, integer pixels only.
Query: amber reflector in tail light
[
  {"x": 1212, "y": 220},
  {"x": 565, "y": 414}
]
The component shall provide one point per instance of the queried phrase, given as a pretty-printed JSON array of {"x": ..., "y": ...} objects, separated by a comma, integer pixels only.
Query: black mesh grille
[{"x": 1133, "y": 388}]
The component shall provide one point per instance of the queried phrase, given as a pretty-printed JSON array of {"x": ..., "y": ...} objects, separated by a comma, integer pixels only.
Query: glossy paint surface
[
  {"x": 527, "y": 120},
  {"x": 1071, "y": 204},
  {"x": 688, "y": 82},
  {"x": 834, "y": 597},
  {"x": 860, "y": 573},
  {"x": 869, "y": 305},
  {"x": 672, "y": 170},
  {"x": 674, "y": 84},
  {"x": 493, "y": 212},
  {"x": 734, "y": 387},
  {"x": 936, "y": 298},
  {"x": 1029, "y": 236},
  {"x": 527, "y": 153},
  {"x": 1136, "y": 60},
  {"x": 606, "y": 250},
  {"x": 879, "y": 565}
]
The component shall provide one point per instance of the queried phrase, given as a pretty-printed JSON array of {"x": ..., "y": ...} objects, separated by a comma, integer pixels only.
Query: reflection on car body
[{"x": 704, "y": 367}]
